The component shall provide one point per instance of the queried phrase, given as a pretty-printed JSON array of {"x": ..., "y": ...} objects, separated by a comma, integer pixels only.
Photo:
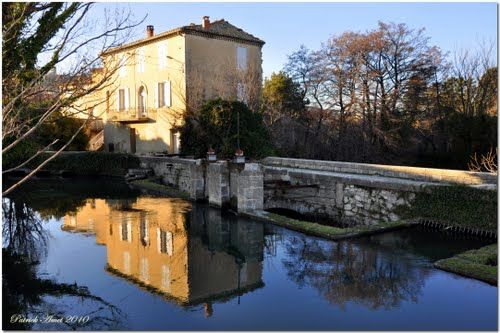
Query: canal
[{"x": 103, "y": 256}]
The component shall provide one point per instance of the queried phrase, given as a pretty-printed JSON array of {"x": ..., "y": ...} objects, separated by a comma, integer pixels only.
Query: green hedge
[
  {"x": 91, "y": 163},
  {"x": 457, "y": 205}
]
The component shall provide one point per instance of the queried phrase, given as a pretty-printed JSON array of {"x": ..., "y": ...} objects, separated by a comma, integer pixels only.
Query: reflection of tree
[
  {"x": 23, "y": 232},
  {"x": 24, "y": 292},
  {"x": 27, "y": 294},
  {"x": 345, "y": 272}
]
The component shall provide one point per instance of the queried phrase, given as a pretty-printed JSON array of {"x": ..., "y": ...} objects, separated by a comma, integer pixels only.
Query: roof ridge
[{"x": 238, "y": 34}]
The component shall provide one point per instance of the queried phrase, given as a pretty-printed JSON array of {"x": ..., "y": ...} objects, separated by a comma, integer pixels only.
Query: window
[
  {"x": 140, "y": 60},
  {"x": 126, "y": 231},
  {"x": 165, "y": 242},
  {"x": 144, "y": 229},
  {"x": 175, "y": 141},
  {"x": 122, "y": 66},
  {"x": 126, "y": 262},
  {"x": 164, "y": 95},
  {"x": 165, "y": 278},
  {"x": 123, "y": 99},
  {"x": 144, "y": 270},
  {"x": 162, "y": 55},
  {"x": 241, "y": 58}
]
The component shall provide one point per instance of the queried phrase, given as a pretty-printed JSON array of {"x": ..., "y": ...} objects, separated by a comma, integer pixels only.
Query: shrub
[{"x": 216, "y": 125}]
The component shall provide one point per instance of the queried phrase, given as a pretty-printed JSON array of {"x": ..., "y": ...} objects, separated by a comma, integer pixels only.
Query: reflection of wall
[
  {"x": 225, "y": 256},
  {"x": 147, "y": 241},
  {"x": 88, "y": 219}
]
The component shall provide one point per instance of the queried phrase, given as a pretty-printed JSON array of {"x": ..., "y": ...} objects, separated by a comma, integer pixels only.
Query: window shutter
[
  {"x": 158, "y": 239},
  {"x": 167, "y": 94},
  {"x": 117, "y": 99},
  {"x": 157, "y": 99},
  {"x": 160, "y": 56},
  {"x": 127, "y": 98},
  {"x": 170, "y": 245},
  {"x": 129, "y": 231},
  {"x": 241, "y": 58}
]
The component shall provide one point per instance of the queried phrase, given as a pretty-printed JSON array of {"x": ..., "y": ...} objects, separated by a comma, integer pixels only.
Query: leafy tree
[
  {"x": 281, "y": 96},
  {"x": 216, "y": 126}
]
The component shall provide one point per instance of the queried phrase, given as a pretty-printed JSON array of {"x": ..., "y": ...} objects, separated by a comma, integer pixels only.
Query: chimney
[
  {"x": 206, "y": 22},
  {"x": 150, "y": 31}
]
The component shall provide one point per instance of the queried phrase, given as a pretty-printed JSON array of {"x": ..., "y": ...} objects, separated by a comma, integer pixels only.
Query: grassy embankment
[
  {"x": 479, "y": 264},
  {"x": 324, "y": 231},
  {"x": 465, "y": 207}
]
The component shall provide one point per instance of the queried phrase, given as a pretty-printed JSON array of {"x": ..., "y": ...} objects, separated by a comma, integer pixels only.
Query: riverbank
[
  {"x": 324, "y": 231},
  {"x": 480, "y": 264}
]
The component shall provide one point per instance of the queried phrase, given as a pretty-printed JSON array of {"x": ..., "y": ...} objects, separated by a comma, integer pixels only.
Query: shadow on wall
[
  {"x": 140, "y": 140},
  {"x": 141, "y": 146}
]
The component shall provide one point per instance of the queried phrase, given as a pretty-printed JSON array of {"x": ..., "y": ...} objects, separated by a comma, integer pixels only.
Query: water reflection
[
  {"x": 345, "y": 272},
  {"x": 28, "y": 295},
  {"x": 191, "y": 254},
  {"x": 22, "y": 229}
]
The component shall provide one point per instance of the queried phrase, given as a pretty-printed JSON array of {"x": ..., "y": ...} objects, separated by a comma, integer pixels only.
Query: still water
[{"x": 118, "y": 259}]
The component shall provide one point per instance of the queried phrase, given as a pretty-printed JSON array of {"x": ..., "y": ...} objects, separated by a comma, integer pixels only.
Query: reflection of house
[
  {"x": 155, "y": 79},
  {"x": 190, "y": 255}
]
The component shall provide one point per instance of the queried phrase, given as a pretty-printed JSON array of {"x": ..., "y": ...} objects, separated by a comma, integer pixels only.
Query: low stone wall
[
  {"x": 187, "y": 175},
  {"x": 222, "y": 183},
  {"x": 352, "y": 193},
  {"x": 392, "y": 171}
]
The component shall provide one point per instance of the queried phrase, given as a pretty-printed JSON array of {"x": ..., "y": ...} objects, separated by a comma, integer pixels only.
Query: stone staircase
[
  {"x": 96, "y": 142},
  {"x": 136, "y": 174}
]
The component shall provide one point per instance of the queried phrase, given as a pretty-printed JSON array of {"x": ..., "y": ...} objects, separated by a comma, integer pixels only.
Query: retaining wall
[{"x": 353, "y": 193}]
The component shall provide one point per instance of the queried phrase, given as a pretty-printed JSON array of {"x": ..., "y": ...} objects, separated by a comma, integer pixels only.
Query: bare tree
[{"x": 37, "y": 39}]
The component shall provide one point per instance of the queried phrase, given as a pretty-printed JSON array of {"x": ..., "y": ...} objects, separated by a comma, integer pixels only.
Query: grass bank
[
  {"x": 90, "y": 163},
  {"x": 479, "y": 264},
  {"x": 461, "y": 206},
  {"x": 324, "y": 231},
  {"x": 153, "y": 187}
]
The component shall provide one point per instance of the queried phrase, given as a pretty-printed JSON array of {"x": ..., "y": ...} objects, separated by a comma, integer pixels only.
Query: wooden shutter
[
  {"x": 158, "y": 239},
  {"x": 127, "y": 98},
  {"x": 167, "y": 93},
  {"x": 157, "y": 100}
]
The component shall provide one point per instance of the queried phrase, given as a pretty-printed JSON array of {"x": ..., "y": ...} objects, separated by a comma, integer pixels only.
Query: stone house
[{"x": 158, "y": 78}]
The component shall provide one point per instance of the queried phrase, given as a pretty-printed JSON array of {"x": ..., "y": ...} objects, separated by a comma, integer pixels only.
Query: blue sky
[{"x": 285, "y": 26}]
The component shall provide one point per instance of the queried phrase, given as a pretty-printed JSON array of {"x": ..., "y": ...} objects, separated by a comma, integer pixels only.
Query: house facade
[{"x": 159, "y": 78}]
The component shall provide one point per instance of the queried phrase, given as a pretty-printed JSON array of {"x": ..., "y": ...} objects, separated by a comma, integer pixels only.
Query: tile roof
[{"x": 220, "y": 29}]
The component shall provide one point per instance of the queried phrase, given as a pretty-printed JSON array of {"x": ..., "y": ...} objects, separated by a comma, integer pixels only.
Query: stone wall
[
  {"x": 353, "y": 193},
  {"x": 222, "y": 183},
  {"x": 350, "y": 193},
  {"x": 391, "y": 171},
  {"x": 218, "y": 184},
  {"x": 187, "y": 175}
]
